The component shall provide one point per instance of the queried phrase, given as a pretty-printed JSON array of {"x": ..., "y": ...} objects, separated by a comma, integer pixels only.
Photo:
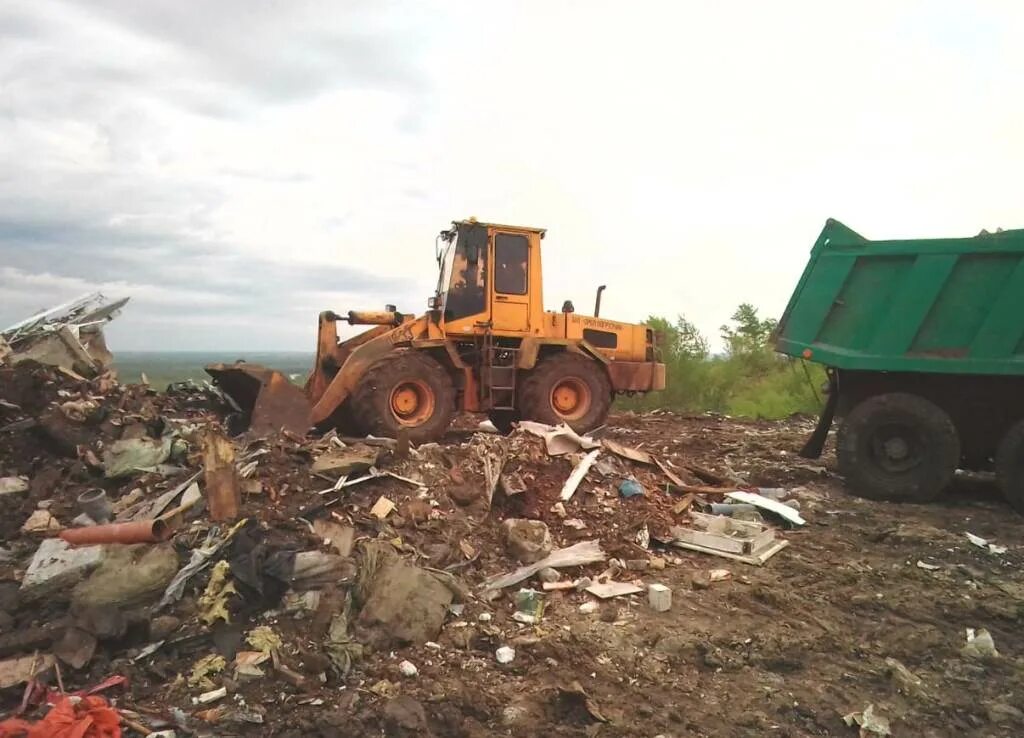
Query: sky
[{"x": 238, "y": 166}]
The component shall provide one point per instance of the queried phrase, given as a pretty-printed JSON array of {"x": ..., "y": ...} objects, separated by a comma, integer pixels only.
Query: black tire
[
  {"x": 1010, "y": 466},
  {"x": 379, "y": 402},
  {"x": 898, "y": 447},
  {"x": 583, "y": 376}
]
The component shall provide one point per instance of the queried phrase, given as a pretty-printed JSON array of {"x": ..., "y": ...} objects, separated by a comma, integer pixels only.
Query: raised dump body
[
  {"x": 924, "y": 341},
  {"x": 951, "y": 305}
]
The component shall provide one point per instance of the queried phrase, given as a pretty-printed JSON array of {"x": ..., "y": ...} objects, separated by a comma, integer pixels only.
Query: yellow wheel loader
[{"x": 485, "y": 345}]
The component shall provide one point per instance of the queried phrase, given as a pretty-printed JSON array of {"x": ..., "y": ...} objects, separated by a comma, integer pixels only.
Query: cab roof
[{"x": 474, "y": 221}]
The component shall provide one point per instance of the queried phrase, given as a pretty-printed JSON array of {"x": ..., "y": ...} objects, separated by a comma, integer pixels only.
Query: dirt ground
[{"x": 868, "y": 605}]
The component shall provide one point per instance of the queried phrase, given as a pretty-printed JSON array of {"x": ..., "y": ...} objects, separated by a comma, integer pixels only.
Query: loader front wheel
[
  {"x": 1010, "y": 466},
  {"x": 567, "y": 388},
  {"x": 409, "y": 392},
  {"x": 898, "y": 447}
]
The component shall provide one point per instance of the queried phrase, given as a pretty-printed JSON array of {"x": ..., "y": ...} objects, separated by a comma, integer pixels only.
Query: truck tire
[
  {"x": 898, "y": 447},
  {"x": 1010, "y": 466},
  {"x": 566, "y": 388},
  {"x": 408, "y": 391}
]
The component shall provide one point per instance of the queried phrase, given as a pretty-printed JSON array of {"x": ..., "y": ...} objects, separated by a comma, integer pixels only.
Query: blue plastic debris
[{"x": 630, "y": 488}]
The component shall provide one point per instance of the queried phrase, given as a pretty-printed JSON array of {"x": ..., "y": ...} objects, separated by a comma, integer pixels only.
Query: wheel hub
[
  {"x": 896, "y": 448},
  {"x": 412, "y": 402},
  {"x": 570, "y": 398}
]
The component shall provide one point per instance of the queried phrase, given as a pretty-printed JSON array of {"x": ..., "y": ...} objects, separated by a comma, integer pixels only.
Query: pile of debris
[
  {"x": 68, "y": 336},
  {"x": 187, "y": 581}
]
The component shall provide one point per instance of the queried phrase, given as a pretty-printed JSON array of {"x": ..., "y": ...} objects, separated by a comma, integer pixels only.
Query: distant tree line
[{"x": 749, "y": 379}]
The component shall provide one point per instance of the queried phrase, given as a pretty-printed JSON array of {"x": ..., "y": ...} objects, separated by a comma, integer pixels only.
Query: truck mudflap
[{"x": 267, "y": 400}]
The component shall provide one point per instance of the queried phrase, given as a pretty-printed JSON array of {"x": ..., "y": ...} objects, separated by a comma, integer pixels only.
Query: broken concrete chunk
[
  {"x": 405, "y": 604},
  {"x": 58, "y": 566},
  {"x": 343, "y": 461},
  {"x": 76, "y": 648},
  {"x": 12, "y": 487},
  {"x": 39, "y": 521},
  {"x": 129, "y": 576},
  {"x": 528, "y": 541}
]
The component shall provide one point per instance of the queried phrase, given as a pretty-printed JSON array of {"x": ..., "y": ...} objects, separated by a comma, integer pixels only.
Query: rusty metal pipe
[{"x": 138, "y": 531}]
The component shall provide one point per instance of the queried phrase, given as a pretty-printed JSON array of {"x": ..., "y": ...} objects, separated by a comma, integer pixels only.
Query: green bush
[{"x": 749, "y": 380}]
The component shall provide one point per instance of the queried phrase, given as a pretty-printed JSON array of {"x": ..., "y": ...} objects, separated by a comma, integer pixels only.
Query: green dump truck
[{"x": 923, "y": 341}]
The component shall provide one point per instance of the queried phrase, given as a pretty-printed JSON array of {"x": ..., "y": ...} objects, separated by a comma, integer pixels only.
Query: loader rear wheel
[
  {"x": 898, "y": 447},
  {"x": 408, "y": 391},
  {"x": 1010, "y": 466},
  {"x": 567, "y": 388}
]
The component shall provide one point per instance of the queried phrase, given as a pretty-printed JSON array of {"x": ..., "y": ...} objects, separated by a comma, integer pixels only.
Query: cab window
[{"x": 511, "y": 252}]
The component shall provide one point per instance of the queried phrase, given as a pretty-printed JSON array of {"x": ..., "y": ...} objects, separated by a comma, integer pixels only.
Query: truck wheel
[
  {"x": 1010, "y": 466},
  {"x": 898, "y": 447},
  {"x": 567, "y": 388},
  {"x": 409, "y": 391}
]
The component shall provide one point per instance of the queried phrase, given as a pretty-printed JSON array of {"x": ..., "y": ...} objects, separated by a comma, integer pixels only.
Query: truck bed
[{"x": 951, "y": 305}]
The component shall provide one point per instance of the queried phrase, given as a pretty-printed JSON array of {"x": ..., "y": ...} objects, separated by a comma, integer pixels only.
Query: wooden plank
[{"x": 712, "y": 541}]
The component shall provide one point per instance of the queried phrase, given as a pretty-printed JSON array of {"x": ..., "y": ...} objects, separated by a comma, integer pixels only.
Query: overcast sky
[{"x": 237, "y": 166}]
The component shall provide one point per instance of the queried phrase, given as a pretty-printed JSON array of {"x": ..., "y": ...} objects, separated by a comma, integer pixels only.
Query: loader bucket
[{"x": 268, "y": 401}]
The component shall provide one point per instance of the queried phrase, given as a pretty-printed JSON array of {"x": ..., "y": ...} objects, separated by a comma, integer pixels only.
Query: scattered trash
[
  {"x": 569, "y": 488},
  {"x": 528, "y": 541},
  {"x": 927, "y": 566},
  {"x": 659, "y": 597},
  {"x": 869, "y": 723},
  {"x": 139, "y": 531},
  {"x": 750, "y": 543},
  {"x": 980, "y": 645},
  {"x": 212, "y": 696},
  {"x": 337, "y": 535},
  {"x": 345, "y": 461},
  {"x": 223, "y": 493},
  {"x": 630, "y": 488},
  {"x": 719, "y": 575},
  {"x": 70, "y": 717},
  {"x": 24, "y": 668},
  {"x": 529, "y": 607},
  {"x": 785, "y": 512},
  {"x": 559, "y": 440},
  {"x": 589, "y": 607},
  {"x": 408, "y": 669},
  {"x": 584, "y": 552},
  {"x": 505, "y": 655},
  {"x": 213, "y": 604},
  {"x": 382, "y": 508},
  {"x": 604, "y": 590},
  {"x": 985, "y": 544},
  {"x": 124, "y": 458},
  {"x": 12, "y": 487},
  {"x": 204, "y": 668}
]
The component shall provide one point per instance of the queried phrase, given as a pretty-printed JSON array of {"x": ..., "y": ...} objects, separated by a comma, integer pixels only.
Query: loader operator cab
[{"x": 485, "y": 278}]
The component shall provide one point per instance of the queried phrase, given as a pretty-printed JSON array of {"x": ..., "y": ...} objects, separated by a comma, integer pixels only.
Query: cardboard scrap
[
  {"x": 605, "y": 590},
  {"x": 382, "y": 508}
]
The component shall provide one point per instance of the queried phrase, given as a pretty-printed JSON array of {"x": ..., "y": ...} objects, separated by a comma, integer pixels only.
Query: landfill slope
[{"x": 338, "y": 614}]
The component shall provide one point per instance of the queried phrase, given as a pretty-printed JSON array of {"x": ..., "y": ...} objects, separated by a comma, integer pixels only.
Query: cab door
[{"x": 510, "y": 293}]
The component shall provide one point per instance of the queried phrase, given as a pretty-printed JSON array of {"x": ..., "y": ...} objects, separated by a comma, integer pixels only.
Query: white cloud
[{"x": 684, "y": 153}]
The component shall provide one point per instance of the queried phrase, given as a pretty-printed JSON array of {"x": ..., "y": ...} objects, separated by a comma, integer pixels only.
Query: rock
[
  {"x": 106, "y": 623},
  {"x": 980, "y": 646},
  {"x": 76, "y": 648},
  {"x": 505, "y": 655},
  {"x": 904, "y": 679},
  {"x": 404, "y": 715},
  {"x": 405, "y": 604},
  {"x": 128, "y": 576},
  {"x": 408, "y": 669},
  {"x": 39, "y": 521},
  {"x": 12, "y": 488},
  {"x": 58, "y": 566},
  {"x": 529, "y": 541},
  {"x": 464, "y": 494},
  {"x": 163, "y": 626},
  {"x": 700, "y": 580},
  {"x": 1002, "y": 713},
  {"x": 548, "y": 574},
  {"x": 513, "y": 714}
]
